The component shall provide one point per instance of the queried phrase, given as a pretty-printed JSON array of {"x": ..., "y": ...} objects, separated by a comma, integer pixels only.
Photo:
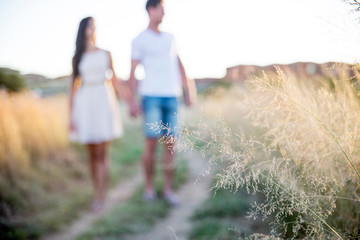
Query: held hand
[
  {"x": 134, "y": 110},
  {"x": 72, "y": 126}
]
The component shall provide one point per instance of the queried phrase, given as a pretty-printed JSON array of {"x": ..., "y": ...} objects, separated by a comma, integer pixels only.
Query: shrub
[{"x": 12, "y": 81}]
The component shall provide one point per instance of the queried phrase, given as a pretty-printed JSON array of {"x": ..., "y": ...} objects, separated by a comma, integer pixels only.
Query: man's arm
[
  {"x": 134, "y": 108},
  {"x": 188, "y": 85},
  {"x": 132, "y": 80}
]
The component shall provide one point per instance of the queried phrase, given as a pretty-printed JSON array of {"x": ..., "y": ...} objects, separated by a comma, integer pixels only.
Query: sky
[{"x": 38, "y": 36}]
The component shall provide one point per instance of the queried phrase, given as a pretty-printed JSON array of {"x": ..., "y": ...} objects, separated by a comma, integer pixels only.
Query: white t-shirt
[{"x": 157, "y": 53}]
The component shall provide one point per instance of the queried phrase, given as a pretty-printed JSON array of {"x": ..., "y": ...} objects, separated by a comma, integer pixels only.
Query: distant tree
[
  {"x": 13, "y": 82},
  {"x": 2, "y": 77}
]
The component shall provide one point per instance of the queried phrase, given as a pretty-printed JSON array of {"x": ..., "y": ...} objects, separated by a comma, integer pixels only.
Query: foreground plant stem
[{"x": 315, "y": 214}]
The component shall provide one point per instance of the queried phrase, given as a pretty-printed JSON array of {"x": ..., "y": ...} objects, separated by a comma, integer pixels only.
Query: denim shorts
[{"x": 160, "y": 116}]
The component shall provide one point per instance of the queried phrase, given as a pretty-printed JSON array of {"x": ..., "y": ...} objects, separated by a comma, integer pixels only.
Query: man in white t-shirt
[{"x": 165, "y": 81}]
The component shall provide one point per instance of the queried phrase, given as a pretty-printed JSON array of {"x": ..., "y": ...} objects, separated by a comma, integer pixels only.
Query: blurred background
[
  {"x": 282, "y": 72},
  {"x": 39, "y": 36}
]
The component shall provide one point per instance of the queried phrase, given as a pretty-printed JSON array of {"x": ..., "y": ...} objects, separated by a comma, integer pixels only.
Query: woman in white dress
[{"x": 94, "y": 109}]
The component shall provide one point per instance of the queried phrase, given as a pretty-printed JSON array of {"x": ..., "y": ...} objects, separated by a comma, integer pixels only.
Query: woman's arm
[
  {"x": 121, "y": 90},
  {"x": 71, "y": 100}
]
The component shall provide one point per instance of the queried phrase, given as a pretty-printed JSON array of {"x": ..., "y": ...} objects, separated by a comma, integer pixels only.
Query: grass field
[
  {"x": 291, "y": 142},
  {"x": 223, "y": 216}
]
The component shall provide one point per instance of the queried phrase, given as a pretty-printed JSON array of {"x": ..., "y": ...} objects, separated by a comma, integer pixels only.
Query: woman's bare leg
[
  {"x": 99, "y": 169},
  {"x": 103, "y": 169},
  {"x": 94, "y": 174}
]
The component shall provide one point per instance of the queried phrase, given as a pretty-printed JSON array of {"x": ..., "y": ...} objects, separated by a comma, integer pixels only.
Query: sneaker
[
  {"x": 172, "y": 199},
  {"x": 149, "y": 197}
]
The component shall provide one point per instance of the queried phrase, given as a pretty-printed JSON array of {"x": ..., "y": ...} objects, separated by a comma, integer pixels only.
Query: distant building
[{"x": 242, "y": 73}]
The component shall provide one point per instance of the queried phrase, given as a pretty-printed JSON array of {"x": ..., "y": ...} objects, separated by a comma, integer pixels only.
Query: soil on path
[
  {"x": 176, "y": 225},
  {"x": 116, "y": 196}
]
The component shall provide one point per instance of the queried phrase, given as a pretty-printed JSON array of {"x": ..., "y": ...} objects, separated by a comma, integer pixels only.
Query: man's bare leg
[
  {"x": 148, "y": 164},
  {"x": 169, "y": 166}
]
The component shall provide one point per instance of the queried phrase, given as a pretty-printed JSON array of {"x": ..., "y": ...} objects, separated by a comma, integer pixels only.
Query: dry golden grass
[
  {"x": 314, "y": 125},
  {"x": 31, "y": 128},
  {"x": 294, "y": 140}
]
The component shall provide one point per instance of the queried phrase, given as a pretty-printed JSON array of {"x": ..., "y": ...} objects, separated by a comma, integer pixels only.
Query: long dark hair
[{"x": 80, "y": 46}]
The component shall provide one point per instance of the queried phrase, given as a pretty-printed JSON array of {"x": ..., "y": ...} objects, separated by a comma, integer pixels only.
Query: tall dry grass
[
  {"x": 296, "y": 141},
  {"x": 43, "y": 181},
  {"x": 31, "y": 128}
]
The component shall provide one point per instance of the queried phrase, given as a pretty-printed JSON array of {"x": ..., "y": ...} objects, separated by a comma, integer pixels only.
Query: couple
[{"x": 94, "y": 110}]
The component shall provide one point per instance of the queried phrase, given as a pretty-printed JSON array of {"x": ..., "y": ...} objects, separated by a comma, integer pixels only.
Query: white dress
[{"x": 95, "y": 112}]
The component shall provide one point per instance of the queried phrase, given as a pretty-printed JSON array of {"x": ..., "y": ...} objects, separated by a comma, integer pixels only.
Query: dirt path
[
  {"x": 196, "y": 190},
  {"x": 175, "y": 226},
  {"x": 117, "y": 195}
]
